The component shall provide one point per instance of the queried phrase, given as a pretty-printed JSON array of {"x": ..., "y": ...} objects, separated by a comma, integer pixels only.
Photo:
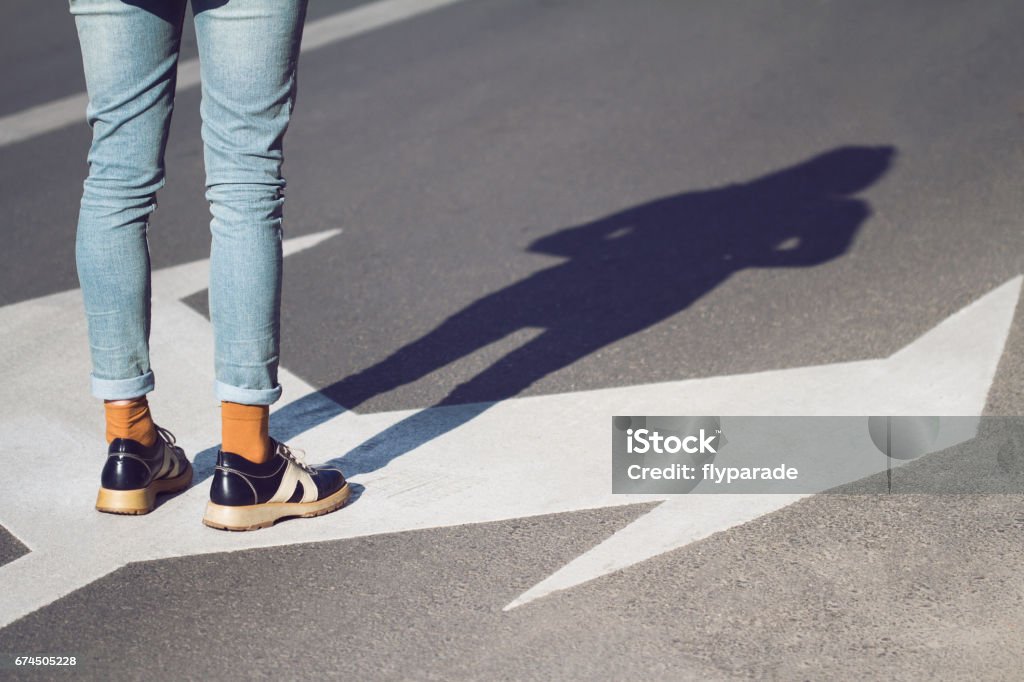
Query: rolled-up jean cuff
[
  {"x": 247, "y": 396},
  {"x": 123, "y": 389}
]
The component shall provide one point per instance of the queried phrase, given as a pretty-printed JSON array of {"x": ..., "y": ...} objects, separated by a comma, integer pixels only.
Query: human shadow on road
[{"x": 622, "y": 274}]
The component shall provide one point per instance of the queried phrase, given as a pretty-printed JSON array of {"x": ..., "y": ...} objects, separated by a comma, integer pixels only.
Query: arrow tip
[{"x": 952, "y": 365}]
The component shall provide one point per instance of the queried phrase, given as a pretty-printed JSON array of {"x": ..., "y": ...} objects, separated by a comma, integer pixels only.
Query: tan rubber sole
[
  {"x": 256, "y": 516},
  {"x": 142, "y": 500}
]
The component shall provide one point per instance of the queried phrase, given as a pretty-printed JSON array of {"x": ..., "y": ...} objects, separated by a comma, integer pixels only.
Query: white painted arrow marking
[
  {"x": 948, "y": 371},
  {"x": 521, "y": 457}
]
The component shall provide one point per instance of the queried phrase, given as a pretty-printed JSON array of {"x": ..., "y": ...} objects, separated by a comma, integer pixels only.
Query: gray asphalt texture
[
  {"x": 457, "y": 151},
  {"x": 10, "y": 547}
]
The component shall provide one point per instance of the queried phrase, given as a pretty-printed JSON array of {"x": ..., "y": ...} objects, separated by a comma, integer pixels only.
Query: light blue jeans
[{"x": 249, "y": 52}]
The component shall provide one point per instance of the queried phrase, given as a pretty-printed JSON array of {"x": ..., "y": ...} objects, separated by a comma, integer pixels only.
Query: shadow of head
[
  {"x": 838, "y": 172},
  {"x": 801, "y": 215}
]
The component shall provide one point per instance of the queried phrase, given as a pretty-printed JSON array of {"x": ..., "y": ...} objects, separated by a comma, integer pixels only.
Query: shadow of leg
[{"x": 515, "y": 372}]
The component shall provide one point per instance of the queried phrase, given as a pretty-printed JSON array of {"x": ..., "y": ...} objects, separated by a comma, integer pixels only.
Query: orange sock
[
  {"x": 244, "y": 431},
  {"x": 130, "y": 419}
]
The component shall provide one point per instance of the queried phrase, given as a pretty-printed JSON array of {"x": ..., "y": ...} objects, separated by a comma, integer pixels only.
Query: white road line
[
  {"x": 947, "y": 371},
  {"x": 521, "y": 457},
  {"x": 45, "y": 118}
]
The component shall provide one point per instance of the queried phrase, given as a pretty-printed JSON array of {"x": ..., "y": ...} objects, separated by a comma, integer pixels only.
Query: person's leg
[
  {"x": 129, "y": 55},
  {"x": 249, "y": 53}
]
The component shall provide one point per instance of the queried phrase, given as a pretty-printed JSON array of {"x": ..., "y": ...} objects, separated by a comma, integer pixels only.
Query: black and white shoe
[
  {"x": 135, "y": 474},
  {"x": 247, "y": 496}
]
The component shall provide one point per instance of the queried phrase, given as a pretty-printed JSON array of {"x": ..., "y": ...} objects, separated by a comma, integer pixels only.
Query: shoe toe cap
[{"x": 328, "y": 481}]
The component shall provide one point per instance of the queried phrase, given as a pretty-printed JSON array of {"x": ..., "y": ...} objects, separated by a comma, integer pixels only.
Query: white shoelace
[
  {"x": 299, "y": 458},
  {"x": 166, "y": 435},
  {"x": 169, "y": 439}
]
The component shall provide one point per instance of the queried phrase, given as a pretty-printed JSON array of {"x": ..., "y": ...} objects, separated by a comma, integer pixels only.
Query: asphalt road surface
[{"x": 519, "y": 208}]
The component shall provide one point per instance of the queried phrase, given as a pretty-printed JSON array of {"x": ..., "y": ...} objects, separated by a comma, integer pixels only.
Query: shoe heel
[
  {"x": 125, "y": 501},
  {"x": 249, "y": 517},
  {"x": 256, "y": 516}
]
